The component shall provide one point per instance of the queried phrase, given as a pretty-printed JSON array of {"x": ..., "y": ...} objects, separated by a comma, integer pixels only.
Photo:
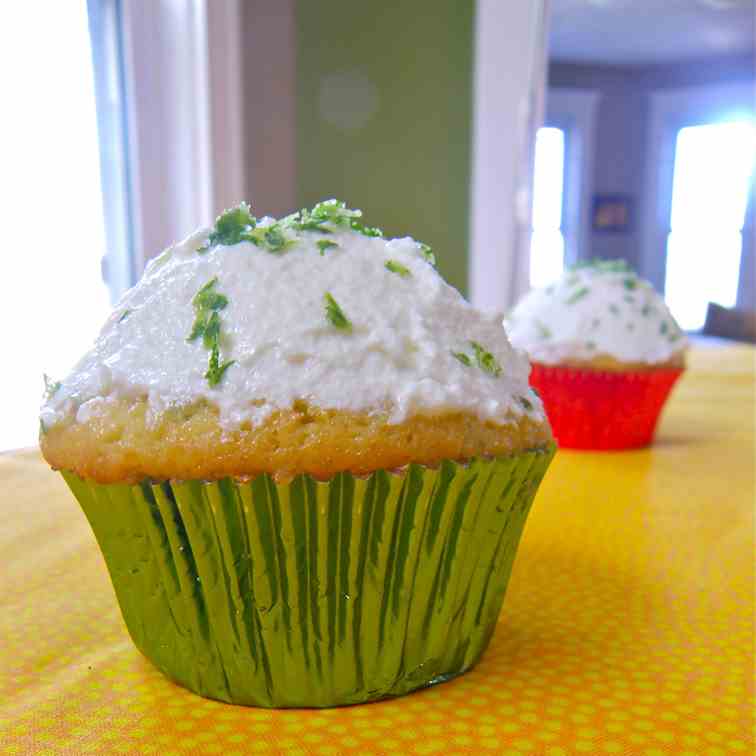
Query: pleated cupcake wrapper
[
  {"x": 593, "y": 409},
  {"x": 315, "y": 593}
]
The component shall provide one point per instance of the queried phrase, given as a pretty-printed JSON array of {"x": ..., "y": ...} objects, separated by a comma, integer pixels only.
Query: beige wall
[{"x": 269, "y": 92}]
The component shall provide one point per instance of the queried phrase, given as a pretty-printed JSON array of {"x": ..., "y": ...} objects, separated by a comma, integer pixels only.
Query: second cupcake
[{"x": 606, "y": 353}]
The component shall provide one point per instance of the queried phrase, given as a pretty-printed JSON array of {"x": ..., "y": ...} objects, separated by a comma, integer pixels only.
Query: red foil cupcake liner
[{"x": 596, "y": 409}]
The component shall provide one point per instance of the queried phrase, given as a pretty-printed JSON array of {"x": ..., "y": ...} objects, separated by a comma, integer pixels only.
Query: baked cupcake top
[
  {"x": 252, "y": 316},
  {"x": 597, "y": 312}
]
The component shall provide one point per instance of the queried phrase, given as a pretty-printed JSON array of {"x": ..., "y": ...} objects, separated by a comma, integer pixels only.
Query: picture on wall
[{"x": 612, "y": 213}]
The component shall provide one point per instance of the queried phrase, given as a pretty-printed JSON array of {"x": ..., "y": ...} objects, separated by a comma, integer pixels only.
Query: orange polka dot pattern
[{"x": 627, "y": 629}]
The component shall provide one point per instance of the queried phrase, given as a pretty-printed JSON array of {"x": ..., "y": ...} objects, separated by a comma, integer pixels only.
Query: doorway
[{"x": 713, "y": 166}]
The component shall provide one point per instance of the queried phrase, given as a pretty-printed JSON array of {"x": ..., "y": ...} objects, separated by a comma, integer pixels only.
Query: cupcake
[
  {"x": 306, "y": 459},
  {"x": 606, "y": 353}
]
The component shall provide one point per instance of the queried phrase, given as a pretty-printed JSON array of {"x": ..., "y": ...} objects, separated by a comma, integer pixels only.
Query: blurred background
[{"x": 516, "y": 138}]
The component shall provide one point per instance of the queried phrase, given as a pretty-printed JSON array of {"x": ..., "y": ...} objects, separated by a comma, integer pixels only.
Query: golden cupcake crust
[
  {"x": 124, "y": 442},
  {"x": 606, "y": 362}
]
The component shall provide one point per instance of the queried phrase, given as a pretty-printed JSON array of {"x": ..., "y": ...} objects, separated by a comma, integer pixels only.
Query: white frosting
[
  {"x": 397, "y": 356},
  {"x": 591, "y": 311}
]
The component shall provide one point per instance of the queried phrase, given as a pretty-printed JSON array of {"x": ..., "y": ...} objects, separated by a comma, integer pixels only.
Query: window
[
  {"x": 713, "y": 164},
  {"x": 547, "y": 242},
  {"x": 106, "y": 31},
  {"x": 54, "y": 299}
]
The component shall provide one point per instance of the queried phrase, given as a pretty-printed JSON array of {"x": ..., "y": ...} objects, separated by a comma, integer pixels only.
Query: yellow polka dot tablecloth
[{"x": 627, "y": 627}]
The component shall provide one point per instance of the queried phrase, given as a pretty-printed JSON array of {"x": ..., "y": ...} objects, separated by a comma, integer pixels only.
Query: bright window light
[
  {"x": 547, "y": 242},
  {"x": 712, "y": 174},
  {"x": 54, "y": 299}
]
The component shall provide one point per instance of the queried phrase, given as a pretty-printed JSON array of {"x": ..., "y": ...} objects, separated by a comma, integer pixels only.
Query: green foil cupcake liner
[{"x": 314, "y": 593}]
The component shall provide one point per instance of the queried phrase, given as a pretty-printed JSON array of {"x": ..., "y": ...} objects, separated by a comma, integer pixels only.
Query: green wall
[{"x": 400, "y": 147}]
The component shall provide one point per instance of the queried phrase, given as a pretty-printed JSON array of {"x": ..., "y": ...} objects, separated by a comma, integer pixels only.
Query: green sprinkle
[
  {"x": 335, "y": 211},
  {"x": 614, "y": 309},
  {"x": 42, "y": 428},
  {"x": 125, "y": 314},
  {"x": 207, "y": 323},
  {"x": 629, "y": 298},
  {"x": 230, "y": 224},
  {"x": 485, "y": 360},
  {"x": 51, "y": 387},
  {"x": 207, "y": 303},
  {"x": 630, "y": 283},
  {"x": 230, "y": 228},
  {"x": 427, "y": 254},
  {"x": 304, "y": 220},
  {"x": 543, "y": 330},
  {"x": 311, "y": 225},
  {"x": 663, "y": 328},
  {"x": 673, "y": 337},
  {"x": 198, "y": 328},
  {"x": 463, "y": 358},
  {"x": 397, "y": 268},
  {"x": 332, "y": 212},
  {"x": 274, "y": 238},
  {"x": 270, "y": 238},
  {"x": 335, "y": 315},
  {"x": 207, "y": 299},
  {"x": 215, "y": 369},
  {"x": 321, "y": 219},
  {"x": 525, "y": 402},
  {"x": 238, "y": 225},
  {"x": 365, "y": 230},
  {"x": 578, "y": 295},
  {"x": 211, "y": 332},
  {"x": 211, "y": 301}
]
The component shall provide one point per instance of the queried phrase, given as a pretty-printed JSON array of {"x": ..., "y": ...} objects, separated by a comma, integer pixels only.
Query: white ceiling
[{"x": 636, "y": 32}]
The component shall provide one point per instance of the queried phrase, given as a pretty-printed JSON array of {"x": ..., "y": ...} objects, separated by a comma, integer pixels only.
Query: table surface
[{"x": 627, "y": 628}]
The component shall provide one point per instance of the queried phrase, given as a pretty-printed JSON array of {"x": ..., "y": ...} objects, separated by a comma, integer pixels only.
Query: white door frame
[
  {"x": 574, "y": 111},
  {"x": 509, "y": 81}
]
